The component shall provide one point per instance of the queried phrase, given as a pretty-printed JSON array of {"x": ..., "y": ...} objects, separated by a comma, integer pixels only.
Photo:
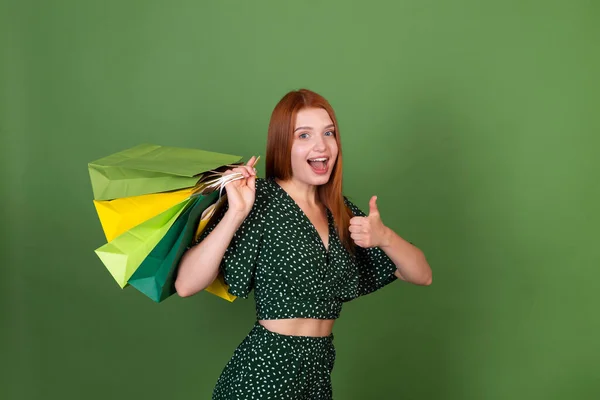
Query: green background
[{"x": 475, "y": 122}]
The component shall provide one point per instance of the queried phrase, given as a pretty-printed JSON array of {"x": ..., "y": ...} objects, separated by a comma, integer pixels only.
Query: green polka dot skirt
[{"x": 269, "y": 365}]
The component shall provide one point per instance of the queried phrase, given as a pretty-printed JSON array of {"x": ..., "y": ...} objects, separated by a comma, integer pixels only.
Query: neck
[{"x": 300, "y": 191}]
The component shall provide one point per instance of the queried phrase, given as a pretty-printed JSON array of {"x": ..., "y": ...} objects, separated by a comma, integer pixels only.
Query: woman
[{"x": 303, "y": 247}]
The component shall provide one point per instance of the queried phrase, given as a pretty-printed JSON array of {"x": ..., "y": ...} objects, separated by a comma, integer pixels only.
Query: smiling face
[{"x": 314, "y": 147}]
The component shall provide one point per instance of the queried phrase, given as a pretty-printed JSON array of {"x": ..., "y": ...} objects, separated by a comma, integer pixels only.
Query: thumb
[{"x": 373, "y": 210}]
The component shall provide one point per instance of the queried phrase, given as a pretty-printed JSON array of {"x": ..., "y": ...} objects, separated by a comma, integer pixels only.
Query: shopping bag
[
  {"x": 120, "y": 215},
  {"x": 150, "y": 168},
  {"x": 152, "y": 201},
  {"x": 124, "y": 254},
  {"x": 155, "y": 277}
]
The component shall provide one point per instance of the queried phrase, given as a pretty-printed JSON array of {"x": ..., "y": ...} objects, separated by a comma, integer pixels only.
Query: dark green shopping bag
[{"x": 155, "y": 277}]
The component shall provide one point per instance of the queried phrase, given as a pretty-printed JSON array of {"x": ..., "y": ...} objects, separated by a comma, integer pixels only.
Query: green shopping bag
[
  {"x": 149, "y": 168},
  {"x": 124, "y": 254},
  {"x": 155, "y": 277}
]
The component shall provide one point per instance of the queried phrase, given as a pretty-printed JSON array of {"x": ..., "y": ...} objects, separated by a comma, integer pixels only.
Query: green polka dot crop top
[{"x": 278, "y": 252}]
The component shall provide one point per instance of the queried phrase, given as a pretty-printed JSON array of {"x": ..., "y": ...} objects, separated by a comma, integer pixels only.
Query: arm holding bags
[{"x": 238, "y": 264}]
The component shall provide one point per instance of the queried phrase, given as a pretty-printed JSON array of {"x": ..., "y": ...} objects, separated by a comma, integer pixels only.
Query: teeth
[{"x": 317, "y": 159}]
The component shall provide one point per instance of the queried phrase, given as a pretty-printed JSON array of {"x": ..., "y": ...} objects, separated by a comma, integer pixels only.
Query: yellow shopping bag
[{"x": 120, "y": 215}]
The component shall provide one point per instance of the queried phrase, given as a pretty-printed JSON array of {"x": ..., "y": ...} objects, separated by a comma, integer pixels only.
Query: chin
[
  {"x": 312, "y": 180},
  {"x": 320, "y": 180}
]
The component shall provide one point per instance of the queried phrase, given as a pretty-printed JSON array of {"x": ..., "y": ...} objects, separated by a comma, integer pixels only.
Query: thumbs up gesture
[{"x": 369, "y": 231}]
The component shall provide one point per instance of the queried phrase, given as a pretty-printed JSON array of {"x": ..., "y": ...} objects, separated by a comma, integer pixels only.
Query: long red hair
[{"x": 279, "y": 151}]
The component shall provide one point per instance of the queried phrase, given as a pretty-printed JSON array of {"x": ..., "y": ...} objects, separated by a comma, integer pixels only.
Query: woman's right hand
[{"x": 241, "y": 192}]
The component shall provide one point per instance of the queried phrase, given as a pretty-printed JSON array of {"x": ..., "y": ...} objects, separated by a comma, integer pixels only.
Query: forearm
[
  {"x": 199, "y": 266},
  {"x": 411, "y": 264}
]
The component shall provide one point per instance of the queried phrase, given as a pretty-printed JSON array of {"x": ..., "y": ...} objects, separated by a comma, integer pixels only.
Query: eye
[
  {"x": 303, "y": 135},
  {"x": 330, "y": 133}
]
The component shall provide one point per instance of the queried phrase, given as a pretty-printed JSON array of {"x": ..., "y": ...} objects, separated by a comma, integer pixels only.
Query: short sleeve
[
  {"x": 372, "y": 268},
  {"x": 238, "y": 264}
]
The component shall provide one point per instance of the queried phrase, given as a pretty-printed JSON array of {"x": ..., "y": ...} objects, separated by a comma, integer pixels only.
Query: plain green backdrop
[{"x": 475, "y": 122}]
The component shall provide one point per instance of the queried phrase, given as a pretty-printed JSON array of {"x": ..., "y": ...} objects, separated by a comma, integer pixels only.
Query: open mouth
[{"x": 319, "y": 165}]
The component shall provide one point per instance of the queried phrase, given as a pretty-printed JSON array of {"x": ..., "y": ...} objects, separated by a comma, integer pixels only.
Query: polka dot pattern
[
  {"x": 278, "y": 252},
  {"x": 268, "y": 365}
]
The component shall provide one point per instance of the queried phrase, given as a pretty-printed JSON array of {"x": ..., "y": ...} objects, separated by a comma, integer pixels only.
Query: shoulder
[
  {"x": 263, "y": 193},
  {"x": 357, "y": 212},
  {"x": 263, "y": 190}
]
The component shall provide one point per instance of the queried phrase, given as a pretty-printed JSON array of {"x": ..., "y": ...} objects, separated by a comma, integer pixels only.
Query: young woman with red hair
[{"x": 304, "y": 249}]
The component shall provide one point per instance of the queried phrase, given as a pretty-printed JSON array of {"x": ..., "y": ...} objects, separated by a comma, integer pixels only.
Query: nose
[{"x": 320, "y": 143}]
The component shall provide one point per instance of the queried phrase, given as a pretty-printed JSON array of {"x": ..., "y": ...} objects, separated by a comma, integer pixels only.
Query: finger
[
  {"x": 245, "y": 169},
  {"x": 252, "y": 161},
  {"x": 373, "y": 210},
  {"x": 250, "y": 170},
  {"x": 242, "y": 171},
  {"x": 231, "y": 171},
  {"x": 357, "y": 236},
  {"x": 251, "y": 164},
  {"x": 357, "y": 220},
  {"x": 355, "y": 229}
]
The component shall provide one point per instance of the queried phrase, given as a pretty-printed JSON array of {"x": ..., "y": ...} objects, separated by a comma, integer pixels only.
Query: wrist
[
  {"x": 386, "y": 239},
  {"x": 234, "y": 217}
]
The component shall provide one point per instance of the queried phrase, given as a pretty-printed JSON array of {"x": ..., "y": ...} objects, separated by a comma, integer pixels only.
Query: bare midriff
[{"x": 299, "y": 326}]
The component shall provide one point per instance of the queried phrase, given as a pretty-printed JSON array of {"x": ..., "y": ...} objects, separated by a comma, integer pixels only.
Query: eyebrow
[{"x": 310, "y": 127}]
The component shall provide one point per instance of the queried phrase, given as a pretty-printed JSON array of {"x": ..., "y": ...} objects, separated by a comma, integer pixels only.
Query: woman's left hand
[{"x": 369, "y": 231}]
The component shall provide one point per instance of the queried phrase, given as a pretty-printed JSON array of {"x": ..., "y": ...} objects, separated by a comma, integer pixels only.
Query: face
[{"x": 314, "y": 149}]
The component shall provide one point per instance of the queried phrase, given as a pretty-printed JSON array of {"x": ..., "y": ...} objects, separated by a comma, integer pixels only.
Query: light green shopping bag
[
  {"x": 149, "y": 168},
  {"x": 125, "y": 253}
]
